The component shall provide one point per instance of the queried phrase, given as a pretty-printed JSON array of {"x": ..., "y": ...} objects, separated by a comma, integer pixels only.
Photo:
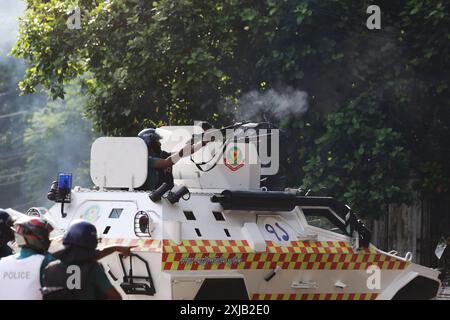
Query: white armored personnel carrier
[{"x": 219, "y": 235}]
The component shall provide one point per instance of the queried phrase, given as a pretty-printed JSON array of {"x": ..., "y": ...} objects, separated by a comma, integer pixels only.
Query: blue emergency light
[
  {"x": 64, "y": 182},
  {"x": 64, "y": 189}
]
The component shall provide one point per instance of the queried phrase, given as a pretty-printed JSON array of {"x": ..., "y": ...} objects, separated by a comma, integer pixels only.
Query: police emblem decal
[
  {"x": 234, "y": 159},
  {"x": 91, "y": 214}
]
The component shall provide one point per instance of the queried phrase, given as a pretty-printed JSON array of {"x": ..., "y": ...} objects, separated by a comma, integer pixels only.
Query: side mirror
[
  {"x": 440, "y": 248},
  {"x": 355, "y": 240}
]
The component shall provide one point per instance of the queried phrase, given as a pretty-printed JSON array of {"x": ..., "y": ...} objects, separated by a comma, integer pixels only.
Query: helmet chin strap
[
  {"x": 20, "y": 240},
  {"x": 156, "y": 149}
]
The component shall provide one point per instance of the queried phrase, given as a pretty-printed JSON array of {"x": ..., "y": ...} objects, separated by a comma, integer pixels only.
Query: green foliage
[
  {"x": 378, "y": 100},
  {"x": 172, "y": 62},
  {"x": 357, "y": 144}
]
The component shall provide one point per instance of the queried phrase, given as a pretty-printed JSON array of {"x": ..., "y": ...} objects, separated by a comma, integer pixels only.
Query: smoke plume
[
  {"x": 279, "y": 104},
  {"x": 38, "y": 138}
]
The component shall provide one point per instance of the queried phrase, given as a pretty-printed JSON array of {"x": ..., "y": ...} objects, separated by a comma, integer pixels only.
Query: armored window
[
  {"x": 106, "y": 230},
  {"x": 218, "y": 215},
  {"x": 227, "y": 233},
  {"x": 324, "y": 219},
  {"x": 189, "y": 215},
  {"x": 197, "y": 230},
  {"x": 115, "y": 213}
]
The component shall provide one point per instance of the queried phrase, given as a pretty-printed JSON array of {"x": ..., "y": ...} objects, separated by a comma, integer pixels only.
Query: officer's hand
[{"x": 125, "y": 250}]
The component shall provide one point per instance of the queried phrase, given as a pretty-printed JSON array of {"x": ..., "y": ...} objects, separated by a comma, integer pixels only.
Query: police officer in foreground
[
  {"x": 79, "y": 259},
  {"x": 6, "y": 233},
  {"x": 20, "y": 273},
  {"x": 160, "y": 162}
]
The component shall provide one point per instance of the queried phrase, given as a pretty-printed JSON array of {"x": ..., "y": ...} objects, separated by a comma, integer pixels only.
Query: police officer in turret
[
  {"x": 6, "y": 233},
  {"x": 160, "y": 162}
]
